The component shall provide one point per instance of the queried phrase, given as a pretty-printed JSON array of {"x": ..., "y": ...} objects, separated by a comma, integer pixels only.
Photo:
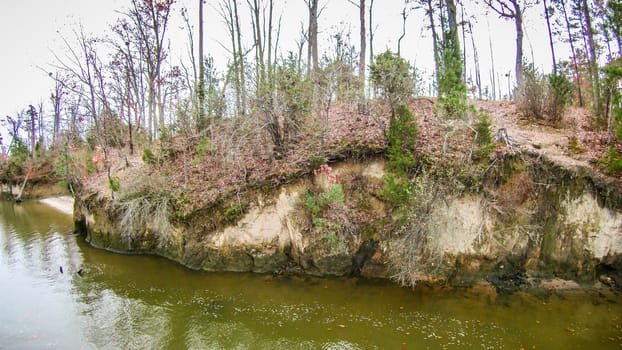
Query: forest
[{"x": 275, "y": 111}]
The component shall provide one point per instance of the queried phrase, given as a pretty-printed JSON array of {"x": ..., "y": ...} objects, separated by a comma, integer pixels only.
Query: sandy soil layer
[{"x": 63, "y": 204}]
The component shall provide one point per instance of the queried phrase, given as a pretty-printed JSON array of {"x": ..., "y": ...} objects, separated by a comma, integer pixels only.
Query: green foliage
[
  {"x": 149, "y": 157},
  {"x": 612, "y": 161},
  {"x": 613, "y": 75},
  {"x": 315, "y": 203},
  {"x": 391, "y": 75},
  {"x": 333, "y": 195},
  {"x": 234, "y": 213},
  {"x": 311, "y": 203},
  {"x": 574, "y": 147},
  {"x": 317, "y": 161},
  {"x": 201, "y": 149},
  {"x": 67, "y": 171},
  {"x": 332, "y": 240},
  {"x": 293, "y": 89},
  {"x": 402, "y": 138},
  {"x": 452, "y": 90},
  {"x": 483, "y": 138},
  {"x": 88, "y": 162},
  {"x": 397, "y": 190},
  {"x": 19, "y": 155},
  {"x": 320, "y": 222},
  {"x": 541, "y": 97},
  {"x": 559, "y": 95},
  {"x": 114, "y": 183}
]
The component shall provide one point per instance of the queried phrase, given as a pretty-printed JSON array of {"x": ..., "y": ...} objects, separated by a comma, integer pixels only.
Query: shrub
[
  {"x": 332, "y": 240},
  {"x": 559, "y": 95},
  {"x": 390, "y": 74},
  {"x": 402, "y": 138},
  {"x": 148, "y": 157},
  {"x": 333, "y": 195},
  {"x": 483, "y": 138},
  {"x": 612, "y": 161},
  {"x": 543, "y": 98},
  {"x": 115, "y": 183},
  {"x": 396, "y": 191},
  {"x": 452, "y": 91},
  {"x": 234, "y": 213},
  {"x": 201, "y": 149},
  {"x": 530, "y": 93},
  {"x": 311, "y": 203}
]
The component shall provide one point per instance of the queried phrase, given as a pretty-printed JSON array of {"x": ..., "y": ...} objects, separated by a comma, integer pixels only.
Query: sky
[{"x": 31, "y": 32}]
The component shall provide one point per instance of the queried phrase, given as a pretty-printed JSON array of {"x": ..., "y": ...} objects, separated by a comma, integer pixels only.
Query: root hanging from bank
[
  {"x": 415, "y": 251},
  {"x": 146, "y": 211}
]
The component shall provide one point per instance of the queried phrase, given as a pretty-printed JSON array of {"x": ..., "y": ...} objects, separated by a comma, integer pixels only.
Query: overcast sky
[{"x": 30, "y": 30}]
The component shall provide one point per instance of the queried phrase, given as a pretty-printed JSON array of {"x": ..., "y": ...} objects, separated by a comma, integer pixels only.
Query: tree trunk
[
  {"x": 548, "y": 26},
  {"x": 492, "y": 65},
  {"x": 362, "y": 66},
  {"x": 371, "y": 32},
  {"x": 573, "y": 52},
  {"x": 313, "y": 28},
  {"x": 478, "y": 76},
  {"x": 399, "y": 40},
  {"x": 593, "y": 58},
  {"x": 240, "y": 59},
  {"x": 434, "y": 39},
  {"x": 201, "y": 84},
  {"x": 518, "y": 23}
]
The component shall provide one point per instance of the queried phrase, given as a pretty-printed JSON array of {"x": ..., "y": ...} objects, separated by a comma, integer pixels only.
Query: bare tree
[
  {"x": 371, "y": 32},
  {"x": 430, "y": 12},
  {"x": 312, "y": 54},
  {"x": 547, "y": 15},
  {"x": 150, "y": 20},
  {"x": 229, "y": 13},
  {"x": 513, "y": 10},
  {"x": 59, "y": 91},
  {"x": 561, "y": 4},
  {"x": 593, "y": 55},
  {"x": 363, "y": 39}
]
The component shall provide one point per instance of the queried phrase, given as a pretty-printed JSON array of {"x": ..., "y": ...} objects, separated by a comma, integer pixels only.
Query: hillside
[{"x": 237, "y": 155}]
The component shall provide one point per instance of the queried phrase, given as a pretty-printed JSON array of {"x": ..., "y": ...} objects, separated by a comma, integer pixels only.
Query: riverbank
[
  {"x": 64, "y": 204},
  {"x": 511, "y": 213}
]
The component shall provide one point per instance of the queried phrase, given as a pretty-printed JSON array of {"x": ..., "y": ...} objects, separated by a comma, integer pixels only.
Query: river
[{"x": 103, "y": 300}]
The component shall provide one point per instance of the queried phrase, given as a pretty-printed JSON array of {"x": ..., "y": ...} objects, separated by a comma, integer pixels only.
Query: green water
[{"x": 138, "y": 302}]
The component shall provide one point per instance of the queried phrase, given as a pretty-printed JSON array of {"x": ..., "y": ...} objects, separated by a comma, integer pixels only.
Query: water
[{"x": 138, "y": 302}]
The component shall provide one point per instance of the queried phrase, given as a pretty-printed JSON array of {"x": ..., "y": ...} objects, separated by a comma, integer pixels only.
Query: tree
[
  {"x": 59, "y": 91},
  {"x": 451, "y": 86},
  {"x": 201, "y": 83},
  {"x": 614, "y": 20},
  {"x": 363, "y": 43},
  {"x": 513, "y": 10},
  {"x": 150, "y": 19},
  {"x": 390, "y": 74},
  {"x": 547, "y": 14},
  {"x": 229, "y": 13},
  {"x": 312, "y": 53},
  {"x": 561, "y": 5},
  {"x": 593, "y": 56},
  {"x": 430, "y": 11}
]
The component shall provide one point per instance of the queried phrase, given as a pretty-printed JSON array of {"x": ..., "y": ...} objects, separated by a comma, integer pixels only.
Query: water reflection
[{"x": 138, "y": 302}]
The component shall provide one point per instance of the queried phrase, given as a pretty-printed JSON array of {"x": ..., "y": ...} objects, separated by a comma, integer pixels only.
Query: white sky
[{"x": 30, "y": 31}]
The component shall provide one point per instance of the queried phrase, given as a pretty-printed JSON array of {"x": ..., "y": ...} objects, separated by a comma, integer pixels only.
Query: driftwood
[{"x": 21, "y": 190}]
